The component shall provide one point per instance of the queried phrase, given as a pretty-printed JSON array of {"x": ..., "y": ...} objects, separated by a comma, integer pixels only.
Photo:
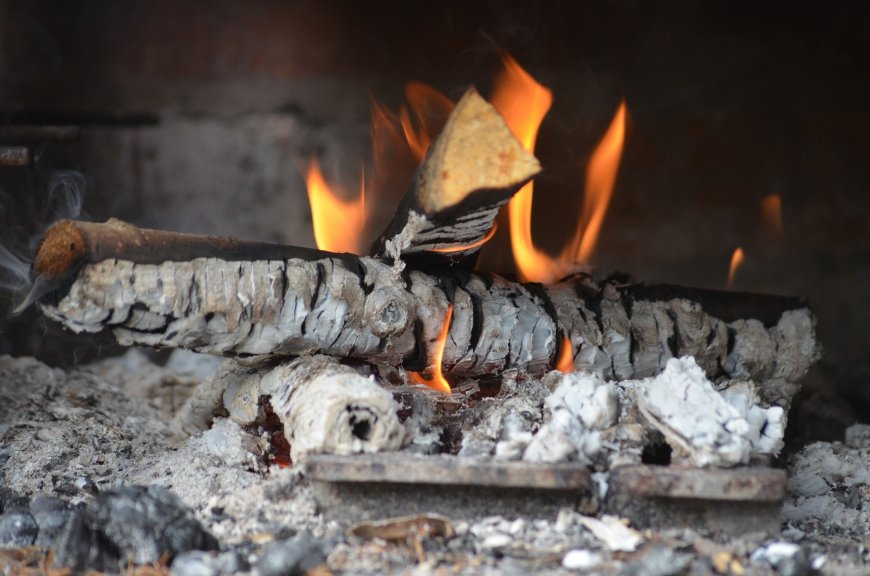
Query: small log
[
  {"x": 472, "y": 170},
  {"x": 360, "y": 307},
  {"x": 325, "y": 406}
]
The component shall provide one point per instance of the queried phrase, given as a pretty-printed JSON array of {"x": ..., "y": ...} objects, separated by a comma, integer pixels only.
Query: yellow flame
[
  {"x": 524, "y": 103},
  {"x": 565, "y": 363},
  {"x": 437, "y": 381},
  {"x": 771, "y": 212},
  {"x": 736, "y": 262},
  {"x": 338, "y": 224}
]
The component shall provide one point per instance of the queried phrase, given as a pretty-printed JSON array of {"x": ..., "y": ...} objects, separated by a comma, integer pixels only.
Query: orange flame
[
  {"x": 600, "y": 179},
  {"x": 480, "y": 242},
  {"x": 771, "y": 212},
  {"x": 565, "y": 363},
  {"x": 423, "y": 117},
  {"x": 524, "y": 103},
  {"x": 437, "y": 381},
  {"x": 338, "y": 224},
  {"x": 736, "y": 262}
]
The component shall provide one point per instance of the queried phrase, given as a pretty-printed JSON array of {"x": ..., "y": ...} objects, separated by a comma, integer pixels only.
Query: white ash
[
  {"x": 613, "y": 533},
  {"x": 828, "y": 487},
  {"x": 503, "y": 425},
  {"x": 60, "y": 430},
  {"x": 703, "y": 426},
  {"x": 578, "y": 409}
]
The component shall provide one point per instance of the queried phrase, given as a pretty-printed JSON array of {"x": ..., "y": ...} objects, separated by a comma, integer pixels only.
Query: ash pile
[{"x": 102, "y": 469}]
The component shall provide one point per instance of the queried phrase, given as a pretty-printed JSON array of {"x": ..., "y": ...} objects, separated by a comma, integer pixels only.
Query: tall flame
[
  {"x": 736, "y": 262},
  {"x": 600, "y": 179},
  {"x": 437, "y": 381},
  {"x": 338, "y": 224},
  {"x": 771, "y": 211},
  {"x": 524, "y": 103}
]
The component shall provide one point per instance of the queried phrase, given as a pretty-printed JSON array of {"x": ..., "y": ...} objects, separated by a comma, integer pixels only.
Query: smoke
[{"x": 26, "y": 217}]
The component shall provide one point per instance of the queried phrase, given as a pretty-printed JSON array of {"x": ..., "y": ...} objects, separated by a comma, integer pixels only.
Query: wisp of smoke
[{"x": 63, "y": 198}]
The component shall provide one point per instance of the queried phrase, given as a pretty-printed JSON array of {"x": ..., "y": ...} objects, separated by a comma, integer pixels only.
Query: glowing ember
[
  {"x": 423, "y": 117},
  {"x": 565, "y": 363},
  {"x": 338, "y": 224},
  {"x": 480, "y": 242},
  {"x": 771, "y": 212},
  {"x": 437, "y": 381},
  {"x": 524, "y": 103},
  {"x": 736, "y": 262}
]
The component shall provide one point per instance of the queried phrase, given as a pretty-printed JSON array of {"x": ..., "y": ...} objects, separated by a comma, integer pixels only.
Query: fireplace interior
[{"x": 203, "y": 117}]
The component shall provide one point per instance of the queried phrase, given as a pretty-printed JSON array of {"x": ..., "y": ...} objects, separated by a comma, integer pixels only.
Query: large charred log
[{"x": 360, "y": 307}]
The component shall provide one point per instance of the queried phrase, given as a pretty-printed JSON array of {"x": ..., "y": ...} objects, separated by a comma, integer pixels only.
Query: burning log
[
  {"x": 341, "y": 305},
  {"x": 324, "y": 406},
  {"x": 473, "y": 169}
]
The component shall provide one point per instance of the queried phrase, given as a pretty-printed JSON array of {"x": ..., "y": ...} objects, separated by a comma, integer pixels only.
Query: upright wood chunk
[{"x": 472, "y": 169}]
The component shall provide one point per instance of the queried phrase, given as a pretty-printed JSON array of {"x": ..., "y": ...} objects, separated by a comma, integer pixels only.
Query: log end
[{"x": 61, "y": 249}]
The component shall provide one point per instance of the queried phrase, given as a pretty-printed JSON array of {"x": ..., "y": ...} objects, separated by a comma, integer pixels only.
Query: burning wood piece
[
  {"x": 294, "y": 301},
  {"x": 473, "y": 168},
  {"x": 325, "y": 407}
]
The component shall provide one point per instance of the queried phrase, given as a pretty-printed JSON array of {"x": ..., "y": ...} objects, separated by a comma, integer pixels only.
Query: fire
[
  {"x": 736, "y": 262},
  {"x": 423, "y": 117},
  {"x": 524, "y": 102},
  {"x": 771, "y": 212},
  {"x": 600, "y": 179},
  {"x": 437, "y": 381},
  {"x": 565, "y": 363},
  {"x": 338, "y": 224}
]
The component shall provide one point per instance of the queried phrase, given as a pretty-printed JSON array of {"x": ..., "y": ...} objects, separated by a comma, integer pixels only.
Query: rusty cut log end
[{"x": 61, "y": 249}]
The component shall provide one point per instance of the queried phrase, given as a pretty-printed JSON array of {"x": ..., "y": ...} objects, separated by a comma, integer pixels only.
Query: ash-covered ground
[{"x": 74, "y": 443}]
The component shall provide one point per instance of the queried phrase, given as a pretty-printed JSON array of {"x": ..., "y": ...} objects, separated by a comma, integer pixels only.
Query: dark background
[{"x": 198, "y": 115}]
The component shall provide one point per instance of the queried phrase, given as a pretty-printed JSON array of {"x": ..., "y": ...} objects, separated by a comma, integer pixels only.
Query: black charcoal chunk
[
  {"x": 133, "y": 523},
  {"x": 51, "y": 515},
  {"x": 17, "y": 529},
  {"x": 293, "y": 557}
]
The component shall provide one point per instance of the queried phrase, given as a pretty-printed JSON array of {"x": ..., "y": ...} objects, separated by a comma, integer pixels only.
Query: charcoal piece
[
  {"x": 17, "y": 529},
  {"x": 198, "y": 563},
  {"x": 51, "y": 515},
  {"x": 10, "y": 501},
  {"x": 135, "y": 524},
  {"x": 292, "y": 557}
]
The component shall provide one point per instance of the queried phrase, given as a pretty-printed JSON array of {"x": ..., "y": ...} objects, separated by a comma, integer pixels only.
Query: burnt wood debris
[{"x": 228, "y": 297}]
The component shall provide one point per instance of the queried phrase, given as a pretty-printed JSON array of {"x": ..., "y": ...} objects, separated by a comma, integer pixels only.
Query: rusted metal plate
[
  {"x": 446, "y": 470},
  {"x": 756, "y": 484}
]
